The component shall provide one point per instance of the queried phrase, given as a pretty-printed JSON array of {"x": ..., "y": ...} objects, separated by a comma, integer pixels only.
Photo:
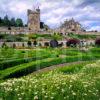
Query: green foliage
[
  {"x": 11, "y": 22},
  {"x": 36, "y": 36},
  {"x": 57, "y": 36},
  {"x": 82, "y": 36},
  {"x": 25, "y": 69},
  {"x": 6, "y": 52},
  {"x": 45, "y": 36},
  {"x": 1, "y": 21},
  {"x": 11, "y": 38},
  {"x": 56, "y": 85},
  {"x": 19, "y": 22},
  {"x": 74, "y": 68},
  {"x": 6, "y": 21},
  {"x": 76, "y": 81},
  {"x": 95, "y": 50},
  {"x": 55, "y": 56},
  {"x": 29, "y": 43},
  {"x": 35, "y": 43},
  {"x": 86, "y": 36},
  {"x": 14, "y": 62}
]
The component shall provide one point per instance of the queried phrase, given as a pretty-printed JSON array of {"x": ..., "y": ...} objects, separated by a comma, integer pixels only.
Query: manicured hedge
[
  {"x": 72, "y": 42},
  {"x": 97, "y": 42},
  {"x": 11, "y": 63},
  {"x": 27, "y": 68}
]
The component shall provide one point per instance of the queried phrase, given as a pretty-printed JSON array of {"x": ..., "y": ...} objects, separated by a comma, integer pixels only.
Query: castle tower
[{"x": 34, "y": 19}]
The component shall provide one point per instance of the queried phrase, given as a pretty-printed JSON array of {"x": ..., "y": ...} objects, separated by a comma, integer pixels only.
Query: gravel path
[{"x": 56, "y": 66}]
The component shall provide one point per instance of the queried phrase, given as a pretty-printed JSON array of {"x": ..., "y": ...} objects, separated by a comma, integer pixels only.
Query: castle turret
[{"x": 34, "y": 19}]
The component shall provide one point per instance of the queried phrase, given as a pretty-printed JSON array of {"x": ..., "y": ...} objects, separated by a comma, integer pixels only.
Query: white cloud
[
  {"x": 53, "y": 12},
  {"x": 77, "y": 2},
  {"x": 19, "y": 7},
  {"x": 94, "y": 28}
]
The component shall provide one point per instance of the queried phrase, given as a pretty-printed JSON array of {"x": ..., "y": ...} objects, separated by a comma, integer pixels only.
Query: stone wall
[
  {"x": 20, "y": 44},
  {"x": 25, "y": 30},
  {"x": 14, "y": 30}
]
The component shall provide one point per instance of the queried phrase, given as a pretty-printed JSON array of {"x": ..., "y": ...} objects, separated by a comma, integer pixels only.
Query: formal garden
[{"x": 52, "y": 72}]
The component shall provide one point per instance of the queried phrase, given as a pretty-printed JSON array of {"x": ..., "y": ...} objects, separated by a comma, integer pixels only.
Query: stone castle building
[
  {"x": 70, "y": 26},
  {"x": 34, "y": 26},
  {"x": 34, "y": 19}
]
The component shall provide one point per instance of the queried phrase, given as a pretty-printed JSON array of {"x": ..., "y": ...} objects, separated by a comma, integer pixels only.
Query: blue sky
[{"x": 54, "y": 12}]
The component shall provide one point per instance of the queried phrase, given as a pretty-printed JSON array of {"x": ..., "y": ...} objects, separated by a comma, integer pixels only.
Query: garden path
[{"x": 56, "y": 66}]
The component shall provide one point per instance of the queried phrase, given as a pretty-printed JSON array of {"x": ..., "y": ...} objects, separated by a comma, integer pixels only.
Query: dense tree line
[{"x": 11, "y": 22}]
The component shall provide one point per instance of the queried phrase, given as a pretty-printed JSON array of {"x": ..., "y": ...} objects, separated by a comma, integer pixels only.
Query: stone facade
[
  {"x": 34, "y": 19},
  {"x": 70, "y": 26},
  {"x": 34, "y": 26}
]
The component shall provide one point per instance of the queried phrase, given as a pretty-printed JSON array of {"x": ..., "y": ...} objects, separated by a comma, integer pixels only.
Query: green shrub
[
  {"x": 27, "y": 68},
  {"x": 92, "y": 68},
  {"x": 73, "y": 68},
  {"x": 11, "y": 63}
]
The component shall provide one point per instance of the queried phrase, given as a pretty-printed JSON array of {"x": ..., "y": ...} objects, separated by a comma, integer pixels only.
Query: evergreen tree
[
  {"x": 29, "y": 43},
  {"x": 13, "y": 22},
  {"x": 35, "y": 43},
  {"x": 1, "y": 21},
  {"x": 19, "y": 22},
  {"x": 6, "y": 21}
]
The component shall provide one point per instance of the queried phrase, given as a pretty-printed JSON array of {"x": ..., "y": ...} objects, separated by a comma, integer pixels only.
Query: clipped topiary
[
  {"x": 97, "y": 42},
  {"x": 54, "y": 43},
  {"x": 72, "y": 42}
]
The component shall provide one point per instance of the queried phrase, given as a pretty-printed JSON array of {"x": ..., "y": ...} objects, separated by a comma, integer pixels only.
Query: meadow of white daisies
[{"x": 64, "y": 83}]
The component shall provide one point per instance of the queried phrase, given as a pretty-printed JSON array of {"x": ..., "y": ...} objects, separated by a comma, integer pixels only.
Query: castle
[
  {"x": 71, "y": 25},
  {"x": 67, "y": 26},
  {"x": 34, "y": 19},
  {"x": 34, "y": 26}
]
